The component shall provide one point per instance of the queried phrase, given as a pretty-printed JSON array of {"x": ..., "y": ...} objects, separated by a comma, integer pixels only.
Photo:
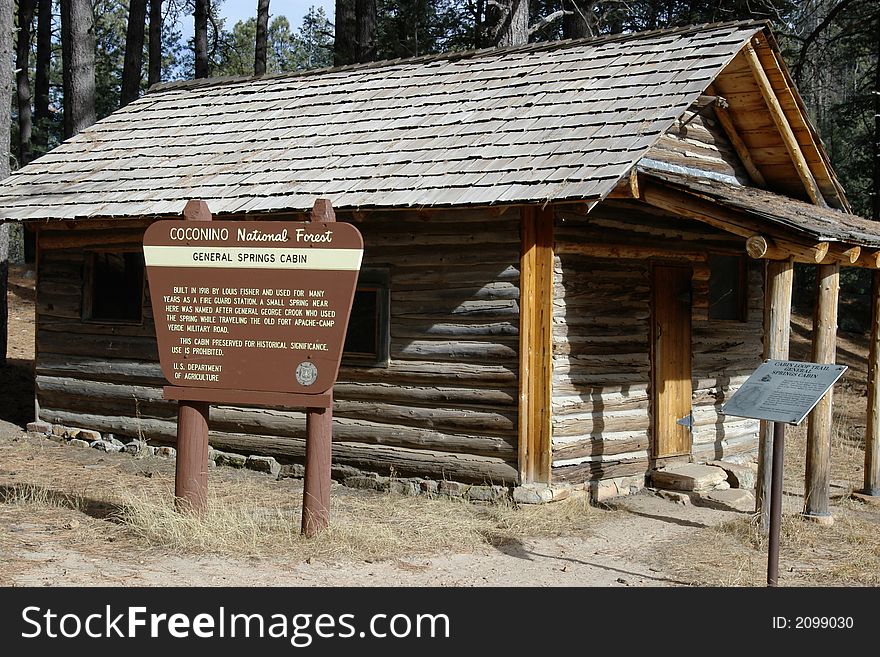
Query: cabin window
[
  {"x": 727, "y": 287},
  {"x": 368, "y": 339},
  {"x": 113, "y": 289}
]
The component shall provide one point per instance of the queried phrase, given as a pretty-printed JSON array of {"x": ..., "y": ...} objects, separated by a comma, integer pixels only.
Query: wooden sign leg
[
  {"x": 191, "y": 470},
  {"x": 316, "y": 486}
]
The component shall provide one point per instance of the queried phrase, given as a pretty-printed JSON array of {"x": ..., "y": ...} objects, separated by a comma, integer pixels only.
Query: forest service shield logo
[{"x": 306, "y": 373}]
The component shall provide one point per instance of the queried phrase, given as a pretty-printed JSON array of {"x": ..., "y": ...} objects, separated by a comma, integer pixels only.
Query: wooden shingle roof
[
  {"x": 558, "y": 121},
  {"x": 784, "y": 213}
]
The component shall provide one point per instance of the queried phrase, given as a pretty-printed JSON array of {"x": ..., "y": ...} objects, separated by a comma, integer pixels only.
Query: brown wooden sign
[{"x": 252, "y": 306}]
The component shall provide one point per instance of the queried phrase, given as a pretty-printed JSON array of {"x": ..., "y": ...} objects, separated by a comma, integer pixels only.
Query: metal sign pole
[{"x": 775, "y": 504}]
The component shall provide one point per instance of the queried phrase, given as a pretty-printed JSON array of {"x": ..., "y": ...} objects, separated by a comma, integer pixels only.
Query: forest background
[{"x": 65, "y": 64}]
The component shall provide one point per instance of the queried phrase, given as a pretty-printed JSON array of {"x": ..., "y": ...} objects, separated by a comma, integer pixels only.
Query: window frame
[
  {"x": 377, "y": 279},
  {"x": 88, "y": 289}
]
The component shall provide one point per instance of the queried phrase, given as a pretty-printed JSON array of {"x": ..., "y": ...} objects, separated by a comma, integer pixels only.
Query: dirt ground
[{"x": 61, "y": 520}]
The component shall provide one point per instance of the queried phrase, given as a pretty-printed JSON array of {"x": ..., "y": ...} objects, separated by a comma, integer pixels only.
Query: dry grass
[
  {"x": 364, "y": 526},
  {"x": 844, "y": 554},
  {"x": 735, "y": 553},
  {"x": 251, "y": 515}
]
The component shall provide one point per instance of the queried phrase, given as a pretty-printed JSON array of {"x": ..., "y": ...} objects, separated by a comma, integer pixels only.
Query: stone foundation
[{"x": 352, "y": 477}]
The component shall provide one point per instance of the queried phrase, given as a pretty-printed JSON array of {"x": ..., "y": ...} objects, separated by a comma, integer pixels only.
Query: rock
[
  {"x": 429, "y": 486},
  {"x": 293, "y": 470},
  {"x": 452, "y": 488},
  {"x": 738, "y": 476},
  {"x": 486, "y": 493},
  {"x": 674, "y": 496},
  {"x": 363, "y": 482},
  {"x": 110, "y": 438},
  {"x": 88, "y": 434},
  {"x": 104, "y": 445},
  {"x": 60, "y": 430},
  {"x": 76, "y": 442},
  {"x": 39, "y": 427},
  {"x": 266, "y": 464},
  {"x": 532, "y": 494},
  {"x": 341, "y": 472},
  {"x": 404, "y": 487},
  {"x": 137, "y": 447},
  {"x": 166, "y": 452},
  {"x": 721, "y": 486},
  {"x": 601, "y": 491},
  {"x": 689, "y": 476},
  {"x": 212, "y": 453},
  {"x": 733, "y": 499},
  {"x": 230, "y": 459}
]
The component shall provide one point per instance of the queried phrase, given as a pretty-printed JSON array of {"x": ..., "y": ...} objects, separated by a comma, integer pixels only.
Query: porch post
[
  {"x": 818, "y": 472},
  {"x": 777, "y": 329},
  {"x": 535, "y": 343}
]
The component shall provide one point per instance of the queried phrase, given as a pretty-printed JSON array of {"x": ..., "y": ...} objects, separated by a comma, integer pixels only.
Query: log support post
[
  {"x": 319, "y": 438},
  {"x": 818, "y": 471},
  {"x": 872, "y": 431},
  {"x": 779, "y": 275},
  {"x": 535, "y": 344}
]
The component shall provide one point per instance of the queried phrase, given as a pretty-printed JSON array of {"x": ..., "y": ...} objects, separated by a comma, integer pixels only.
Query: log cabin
[{"x": 574, "y": 251}]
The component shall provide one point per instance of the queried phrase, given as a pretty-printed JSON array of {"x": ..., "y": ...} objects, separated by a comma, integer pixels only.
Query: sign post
[
  {"x": 782, "y": 392},
  {"x": 252, "y": 312},
  {"x": 319, "y": 439}
]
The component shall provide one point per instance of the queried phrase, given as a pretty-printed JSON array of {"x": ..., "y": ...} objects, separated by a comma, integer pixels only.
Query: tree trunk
[
  {"x": 345, "y": 39},
  {"x": 41, "y": 77},
  {"x": 6, "y": 13},
  {"x": 365, "y": 11},
  {"x": 23, "y": 86},
  {"x": 201, "y": 38},
  {"x": 154, "y": 66},
  {"x": 577, "y": 24},
  {"x": 508, "y": 22},
  {"x": 876, "y": 204},
  {"x": 262, "y": 37},
  {"x": 78, "y": 56},
  {"x": 133, "y": 63}
]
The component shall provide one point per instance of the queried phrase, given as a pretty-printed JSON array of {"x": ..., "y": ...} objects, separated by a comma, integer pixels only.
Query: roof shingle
[{"x": 559, "y": 121}]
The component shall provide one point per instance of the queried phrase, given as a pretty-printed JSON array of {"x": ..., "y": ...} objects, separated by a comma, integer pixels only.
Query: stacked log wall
[
  {"x": 697, "y": 142},
  {"x": 445, "y": 406},
  {"x": 602, "y": 340}
]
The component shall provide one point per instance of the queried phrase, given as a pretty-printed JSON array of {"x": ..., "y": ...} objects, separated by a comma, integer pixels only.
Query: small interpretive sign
[{"x": 783, "y": 390}]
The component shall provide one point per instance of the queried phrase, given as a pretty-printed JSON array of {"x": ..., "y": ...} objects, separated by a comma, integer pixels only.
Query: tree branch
[
  {"x": 812, "y": 36},
  {"x": 544, "y": 22}
]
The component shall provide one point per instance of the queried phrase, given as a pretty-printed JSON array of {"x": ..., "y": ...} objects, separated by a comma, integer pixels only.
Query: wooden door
[{"x": 671, "y": 360}]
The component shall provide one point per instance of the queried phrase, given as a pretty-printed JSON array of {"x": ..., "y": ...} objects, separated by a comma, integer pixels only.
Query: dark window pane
[
  {"x": 363, "y": 325},
  {"x": 117, "y": 286},
  {"x": 368, "y": 340},
  {"x": 726, "y": 287}
]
